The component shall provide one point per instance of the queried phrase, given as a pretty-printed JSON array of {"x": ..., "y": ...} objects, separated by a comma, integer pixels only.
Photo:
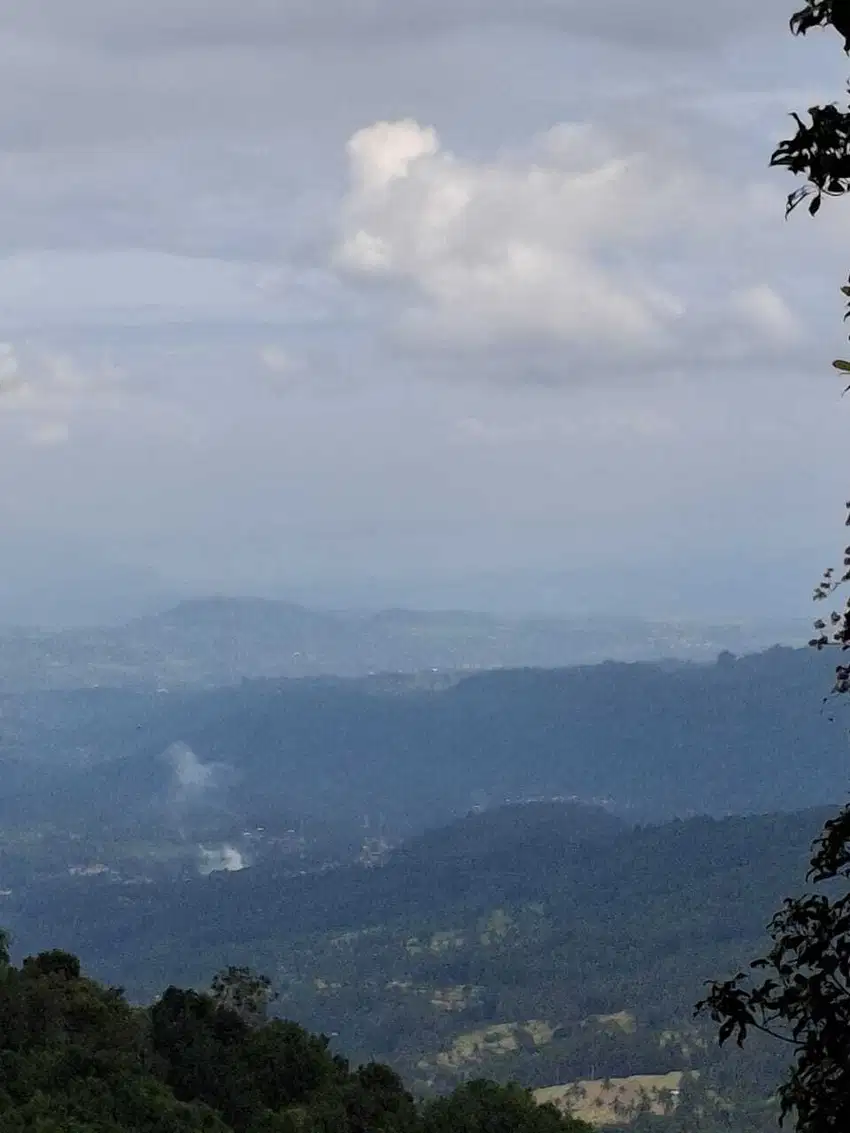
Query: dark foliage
[
  {"x": 820, "y": 148},
  {"x": 484, "y": 1107},
  {"x": 76, "y": 1058},
  {"x": 805, "y": 999}
]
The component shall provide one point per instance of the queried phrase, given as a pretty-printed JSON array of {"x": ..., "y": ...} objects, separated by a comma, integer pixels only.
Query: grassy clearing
[
  {"x": 456, "y": 998},
  {"x": 613, "y": 1100},
  {"x": 621, "y": 1021},
  {"x": 493, "y": 1041}
]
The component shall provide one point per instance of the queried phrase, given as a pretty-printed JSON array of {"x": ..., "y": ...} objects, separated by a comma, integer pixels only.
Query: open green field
[{"x": 610, "y": 1101}]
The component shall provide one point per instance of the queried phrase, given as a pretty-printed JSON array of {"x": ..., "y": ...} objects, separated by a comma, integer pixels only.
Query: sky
[{"x": 482, "y": 303}]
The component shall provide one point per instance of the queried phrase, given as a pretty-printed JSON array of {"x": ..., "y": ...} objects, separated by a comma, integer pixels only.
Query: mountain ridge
[
  {"x": 651, "y": 740},
  {"x": 206, "y": 642}
]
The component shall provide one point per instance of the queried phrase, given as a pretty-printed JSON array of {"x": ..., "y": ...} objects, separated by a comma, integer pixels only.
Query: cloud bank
[
  {"x": 579, "y": 244},
  {"x": 166, "y": 24},
  {"x": 320, "y": 295}
]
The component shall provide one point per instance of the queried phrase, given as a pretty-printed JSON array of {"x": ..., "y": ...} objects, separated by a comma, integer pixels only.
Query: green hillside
[
  {"x": 737, "y": 736},
  {"x": 544, "y": 944}
]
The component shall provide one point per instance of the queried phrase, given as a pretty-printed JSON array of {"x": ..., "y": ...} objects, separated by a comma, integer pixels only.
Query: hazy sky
[{"x": 470, "y": 301}]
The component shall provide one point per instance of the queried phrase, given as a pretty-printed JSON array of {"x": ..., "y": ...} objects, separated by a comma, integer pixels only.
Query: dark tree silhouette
[{"x": 805, "y": 998}]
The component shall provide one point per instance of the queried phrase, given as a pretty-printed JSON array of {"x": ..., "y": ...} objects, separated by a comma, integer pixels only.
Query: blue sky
[{"x": 416, "y": 302}]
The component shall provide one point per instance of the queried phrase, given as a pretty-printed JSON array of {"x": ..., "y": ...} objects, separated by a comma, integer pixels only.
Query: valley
[
  {"x": 525, "y": 874},
  {"x": 545, "y": 944}
]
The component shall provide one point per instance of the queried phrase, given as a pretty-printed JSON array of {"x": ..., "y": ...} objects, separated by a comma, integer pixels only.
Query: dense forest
[
  {"x": 741, "y": 735},
  {"x": 541, "y": 944},
  {"x": 76, "y": 1058}
]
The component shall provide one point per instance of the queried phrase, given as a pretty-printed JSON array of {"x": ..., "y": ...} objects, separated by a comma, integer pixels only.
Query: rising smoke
[
  {"x": 193, "y": 786},
  {"x": 225, "y": 859},
  {"x": 192, "y": 779}
]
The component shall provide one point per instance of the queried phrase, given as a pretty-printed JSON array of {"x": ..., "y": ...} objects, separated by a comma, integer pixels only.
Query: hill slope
[
  {"x": 549, "y": 944},
  {"x": 734, "y": 737}
]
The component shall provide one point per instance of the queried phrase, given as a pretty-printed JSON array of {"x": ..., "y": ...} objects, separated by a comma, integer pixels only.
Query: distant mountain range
[{"x": 218, "y": 641}]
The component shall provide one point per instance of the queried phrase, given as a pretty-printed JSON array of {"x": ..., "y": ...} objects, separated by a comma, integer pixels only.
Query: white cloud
[
  {"x": 170, "y": 176},
  {"x": 580, "y": 244},
  {"x": 767, "y": 313},
  {"x": 43, "y": 391},
  {"x": 385, "y": 152}
]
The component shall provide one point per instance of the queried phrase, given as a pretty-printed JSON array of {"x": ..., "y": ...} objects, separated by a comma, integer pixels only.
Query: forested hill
[
  {"x": 676, "y": 900},
  {"x": 736, "y": 736},
  {"x": 531, "y": 925}
]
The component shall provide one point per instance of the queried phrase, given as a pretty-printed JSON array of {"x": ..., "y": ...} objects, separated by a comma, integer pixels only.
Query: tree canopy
[{"x": 75, "y": 1057}]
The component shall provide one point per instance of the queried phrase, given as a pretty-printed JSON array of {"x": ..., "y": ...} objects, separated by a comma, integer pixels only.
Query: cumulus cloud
[
  {"x": 175, "y": 210},
  {"x": 581, "y": 243}
]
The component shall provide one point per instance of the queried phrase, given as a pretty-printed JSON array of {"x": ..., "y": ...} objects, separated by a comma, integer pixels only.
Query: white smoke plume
[
  {"x": 226, "y": 859},
  {"x": 192, "y": 778},
  {"x": 193, "y": 783}
]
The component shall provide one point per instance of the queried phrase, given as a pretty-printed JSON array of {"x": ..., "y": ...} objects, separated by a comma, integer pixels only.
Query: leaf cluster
[
  {"x": 804, "y": 999},
  {"x": 819, "y": 150}
]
